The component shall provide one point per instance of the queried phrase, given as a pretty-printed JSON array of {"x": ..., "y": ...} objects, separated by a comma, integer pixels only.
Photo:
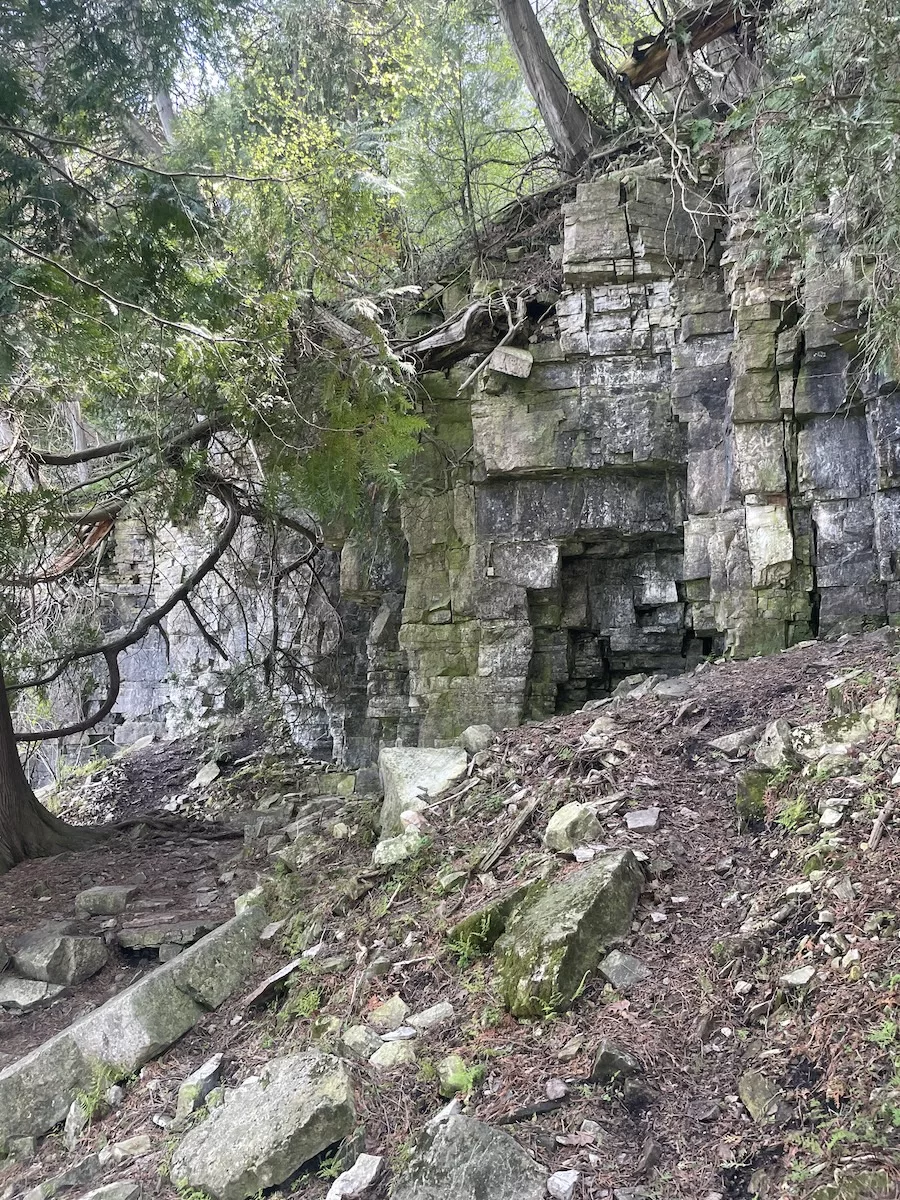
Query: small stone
[
  {"x": 733, "y": 743},
  {"x": 805, "y": 888},
  {"x": 572, "y": 1048},
  {"x": 113, "y": 1096},
  {"x": 475, "y": 739},
  {"x": 623, "y": 971},
  {"x": 572, "y": 826},
  {"x": 137, "y": 936},
  {"x": 799, "y": 978},
  {"x": 825, "y": 916},
  {"x": 125, "y": 1190},
  {"x": 643, "y": 820},
  {"x": 362, "y": 1176},
  {"x": 194, "y": 1090},
  {"x": 433, "y": 1018},
  {"x": 830, "y": 818},
  {"x": 360, "y": 1042},
  {"x": 77, "y": 1120},
  {"x": 325, "y": 1030},
  {"x": 776, "y": 748},
  {"x": 129, "y": 1148},
  {"x": 561, "y": 1185},
  {"x": 389, "y": 1015},
  {"x": 454, "y": 1076},
  {"x": 612, "y": 1063},
  {"x": 761, "y": 1097},
  {"x": 207, "y": 774},
  {"x": 340, "y": 831},
  {"x": 405, "y": 1033},
  {"x": 391, "y": 1055},
  {"x": 103, "y": 900},
  {"x": 555, "y": 1089},
  {"x": 393, "y": 850}
]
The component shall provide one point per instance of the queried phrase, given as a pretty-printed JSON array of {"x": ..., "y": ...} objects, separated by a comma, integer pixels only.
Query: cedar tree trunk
[
  {"x": 573, "y": 133},
  {"x": 27, "y": 829}
]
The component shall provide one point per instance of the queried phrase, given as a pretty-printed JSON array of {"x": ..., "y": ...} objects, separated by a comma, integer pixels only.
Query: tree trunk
[
  {"x": 572, "y": 131},
  {"x": 27, "y": 829}
]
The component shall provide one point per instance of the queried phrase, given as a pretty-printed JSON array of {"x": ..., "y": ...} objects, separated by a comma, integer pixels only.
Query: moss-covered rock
[
  {"x": 556, "y": 939},
  {"x": 750, "y": 795},
  {"x": 479, "y": 931}
]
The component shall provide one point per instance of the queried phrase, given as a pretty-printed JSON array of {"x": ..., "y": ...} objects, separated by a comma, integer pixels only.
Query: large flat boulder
[
  {"x": 56, "y": 957},
  {"x": 268, "y": 1128},
  {"x": 410, "y": 776},
  {"x": 128, "y": 1030},
  {"x": 464, "y": 1159},
  {"x": 556, "y": 939}
]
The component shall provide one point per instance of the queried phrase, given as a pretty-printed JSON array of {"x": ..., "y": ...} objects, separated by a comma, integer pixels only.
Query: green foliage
[{"x": 826, "y": 129}]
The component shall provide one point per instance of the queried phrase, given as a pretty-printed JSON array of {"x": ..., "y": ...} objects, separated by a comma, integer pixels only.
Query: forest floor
[{"x": 712, "y": 928}]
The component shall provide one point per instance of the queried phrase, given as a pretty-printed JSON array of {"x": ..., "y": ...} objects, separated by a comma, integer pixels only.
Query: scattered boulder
[
  {"x": 572, "y": 826},
  {"x": 463, "y": 1159},
  {"x": 360, "y": 1179},
  {"x": 454, "y": 1076},
  {"x": 734, "y": 743},
  {"x": 207, "y": 774},
  {"x": 391, "y": 1055},
  {"x": 475, "y": 738},
  {"x": 858, "y": 1185},
  {"x": 479, "y": 931},
  {"x": 360, "y": 1042},
  {"x": 562, "y": 1184},
  {"x": 268, "y": 1128},
  {"x": 761, "y": 1097},
  {"x": 393, "y": 850},
  {"x": 555, "y": 940},
  {"x": 776, "y": 747},
  {"x": 643, "y": 820},
  {"x": 623, "y": 971},
  {"x": 57, "y": 957},
  {"x": 389, "y": 1015},
  {"x": 125, "y": 1190},
  {"x": 104, "y": 900},
  {"x": 410, "y": 775},
  {"x": 25, "y": 995},
  {"x": 612, "y": 1063},
  {"x": 193, "y": 1092},
  {"x": 432, "y": 1018}
]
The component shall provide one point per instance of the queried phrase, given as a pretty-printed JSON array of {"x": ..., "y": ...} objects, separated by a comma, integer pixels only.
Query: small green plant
[
  {"x": 303, "y": 1003},
  {"x": 331, "y": 1166},
  {"x": 90, "y": 1100},
  {"x": 885, "y": 1035},
  {"x": 186, "y": 1192},
  {"x": 793, "y": 812}
]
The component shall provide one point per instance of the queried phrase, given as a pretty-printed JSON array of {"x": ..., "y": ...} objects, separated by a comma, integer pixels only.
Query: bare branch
[{"x": 112, "y": 695}]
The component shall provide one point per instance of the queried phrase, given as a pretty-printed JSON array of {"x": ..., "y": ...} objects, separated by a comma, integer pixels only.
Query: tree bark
[
  {"x": 573, "y": 133},
  {"x": 27, "y": 829}
]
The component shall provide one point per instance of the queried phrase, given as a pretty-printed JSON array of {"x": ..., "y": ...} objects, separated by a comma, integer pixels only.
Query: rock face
[
  {"x": 558, "y": 937},
  {"x": 463, "y": 1159},
  {"x": 268, "y": 1128}
]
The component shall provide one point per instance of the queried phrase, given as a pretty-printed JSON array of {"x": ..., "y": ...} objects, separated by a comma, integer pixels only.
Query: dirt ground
[{"x": 679, "y": 1133}]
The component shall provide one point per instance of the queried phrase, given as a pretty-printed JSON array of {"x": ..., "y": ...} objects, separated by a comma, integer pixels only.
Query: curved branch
[
  {"x": 47, "y": 458},
  {"x": 156, "y": 615},
  {"x": 112, "y": 695}
]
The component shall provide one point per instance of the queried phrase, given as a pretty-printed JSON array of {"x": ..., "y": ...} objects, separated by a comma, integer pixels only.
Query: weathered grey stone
[
  {"x": 561, "y": 1185},
  {"x": 555, "y": 941},
  {"x": 393, "y": 850},
  {"x": 433, "y": 1018},
  {"x": 389, "y": 1015},
  {"x": 410, "y": 776},
  {"x": 734, "y": 743},
  {"x": 128, "y": 1030},
  {"x": 761, "y": 1097},
  {"x": 643, "y": 820},
  {"x": 454, "y": 1075},
  {"x": 360, "y": 1179},
  {"x": 572, "y": 826},
  {"x": 104, "y": 900},
  {"x": 612, "y": 1063},
  {"x": 623, "y": 971},
  {"x": 776, "y": 748},
  {"x": 464, "y": 1159},
  {"x": 391, "y": 1056},
  {"x": 59, "y": 958},
  {"x": 24, "y": 995},
  {"x": 856, "y": 1184},
  {"x": 475, "y": 738},
  {"x": 359, "y": 1041},
  {"x": 152, "y": 936},
  {"x": 194, "y": 1090},
  {"x": 267, "y": 1128},
  {"x": 124, "y": 1190}
]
